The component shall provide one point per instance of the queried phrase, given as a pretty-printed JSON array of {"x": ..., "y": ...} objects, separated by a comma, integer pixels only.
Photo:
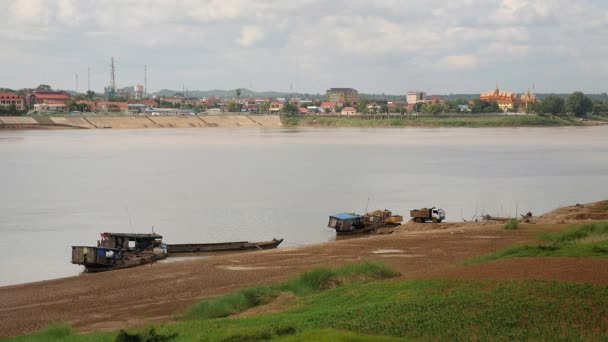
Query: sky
[{"x": 374, "y": 46}]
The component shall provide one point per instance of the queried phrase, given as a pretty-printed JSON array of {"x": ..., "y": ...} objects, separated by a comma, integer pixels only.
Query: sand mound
[{"x": 579, "y": 213}]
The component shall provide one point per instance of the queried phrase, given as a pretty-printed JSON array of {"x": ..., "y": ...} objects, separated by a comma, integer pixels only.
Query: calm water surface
[{"x": 62, "y": 188}]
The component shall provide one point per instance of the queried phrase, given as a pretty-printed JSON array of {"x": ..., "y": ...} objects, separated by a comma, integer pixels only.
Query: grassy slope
[
  {"x": 427, "y": 309},
  {"x": 589, "y": 240},
  {"x": 484, "y": 121}
]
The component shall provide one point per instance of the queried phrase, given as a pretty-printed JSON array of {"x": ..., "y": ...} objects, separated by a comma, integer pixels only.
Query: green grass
[
  {"x": 589, "y": 240},
  {"x": 415, "y": 309},
  {"x": 597, "y": 117},
  {"x": 308, "y": 282},
  {"x": 511, "y": 224},
  {"x": 62, "y": 332},
  {"x": 481, "y": 121}
]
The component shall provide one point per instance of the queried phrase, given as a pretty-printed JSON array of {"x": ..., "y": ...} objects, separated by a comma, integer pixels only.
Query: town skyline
[{"x": 464, "y": 46}]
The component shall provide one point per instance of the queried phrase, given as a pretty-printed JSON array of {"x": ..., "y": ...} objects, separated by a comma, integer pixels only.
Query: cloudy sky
[{"x": 379, "y": 46}]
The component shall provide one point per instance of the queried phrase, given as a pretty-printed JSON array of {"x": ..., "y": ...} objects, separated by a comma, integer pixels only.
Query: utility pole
[
  {"x": 145, "y": 81},
  {"x": 76, "y": 83},
  {"x": 88, "y": 79},
  {"x": 112, "y": 90}
]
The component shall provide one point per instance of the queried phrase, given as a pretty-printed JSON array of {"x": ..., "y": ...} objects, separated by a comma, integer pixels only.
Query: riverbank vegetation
[
  {"x": 589, "y": 240},
  {"x": 430, "y": 121},
  {"x": 391, "y": 310}
]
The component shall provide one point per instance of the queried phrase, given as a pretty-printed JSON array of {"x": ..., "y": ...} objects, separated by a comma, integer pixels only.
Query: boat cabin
[
  {"x": 101, "y": 256},
  {"x": 130, "y": 242},
  {"x": 345, "y": 222}
]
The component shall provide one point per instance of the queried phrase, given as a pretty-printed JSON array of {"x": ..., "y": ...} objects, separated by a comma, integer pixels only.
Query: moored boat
[
  {"x": 119, "y": 250},
  {"x": 222, "y": 246}
]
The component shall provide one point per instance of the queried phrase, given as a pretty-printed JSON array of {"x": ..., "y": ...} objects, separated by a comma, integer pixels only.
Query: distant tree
[
  {"x": 492, "y": 107},
  {"x": 44, "y": 87},
  {"x": 233, "y": 106},
  {"x": 433, "y": 108},
  {"x": 384, "y": 108},
  {"x": 238, "y": 93},
  {"x": 90, "y": 94},
  {"x": 600, "y": 107},
  {"x": 290, "y": 109},
  {"x": 579, "y": 104},
  {"x": 264, "y": 106},
  {"x": 327, "y": 110},
  {"x": 551, "y": 105}
]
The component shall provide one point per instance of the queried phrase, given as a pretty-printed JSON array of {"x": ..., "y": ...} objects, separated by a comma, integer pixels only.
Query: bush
[
  {"x": 512, "y": 224},
  {"x": 149, "y": 335}
]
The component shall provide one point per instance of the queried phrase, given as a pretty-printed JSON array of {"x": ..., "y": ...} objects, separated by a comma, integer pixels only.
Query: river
[{"x": 63, "y": 187}]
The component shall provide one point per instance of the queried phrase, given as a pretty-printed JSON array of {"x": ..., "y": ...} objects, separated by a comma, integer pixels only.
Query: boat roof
[
  {"x": 135, "y": 235},
  {"x": 346, "y": 216}
]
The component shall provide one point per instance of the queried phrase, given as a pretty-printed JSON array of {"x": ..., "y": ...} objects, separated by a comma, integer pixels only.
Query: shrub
[{"x": 512, "y": 224}]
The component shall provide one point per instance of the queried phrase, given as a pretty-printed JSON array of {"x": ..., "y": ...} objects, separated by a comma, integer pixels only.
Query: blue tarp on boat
[{"x": 346, "y": 216}]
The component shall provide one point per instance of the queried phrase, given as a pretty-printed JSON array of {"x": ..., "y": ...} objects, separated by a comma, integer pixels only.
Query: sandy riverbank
[{"x": 158, "y": 292}]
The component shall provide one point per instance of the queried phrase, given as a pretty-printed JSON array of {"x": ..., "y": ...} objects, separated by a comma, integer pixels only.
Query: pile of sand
[{"x": 579, "y": 213}]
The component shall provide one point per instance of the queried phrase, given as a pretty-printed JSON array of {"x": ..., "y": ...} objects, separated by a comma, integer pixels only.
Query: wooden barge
[{"x": 222, "y": 246}]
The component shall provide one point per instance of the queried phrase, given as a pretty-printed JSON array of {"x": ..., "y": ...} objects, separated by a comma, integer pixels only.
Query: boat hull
[
  {"x": 132, "y": 262},
  {"x": 222, "y": 246}
]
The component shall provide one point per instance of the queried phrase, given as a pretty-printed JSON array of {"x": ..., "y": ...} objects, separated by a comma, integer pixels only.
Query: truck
[{"x": 423, "y": 215}]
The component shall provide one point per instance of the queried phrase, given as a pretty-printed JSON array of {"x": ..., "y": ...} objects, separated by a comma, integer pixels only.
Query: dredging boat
[
  {"x": 119, "y": 250},
  {"x": 222, "y": 246},
  {"x": 351, "y": 223}
]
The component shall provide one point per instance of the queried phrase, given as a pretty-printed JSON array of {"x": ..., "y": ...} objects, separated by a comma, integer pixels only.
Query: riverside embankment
[
  {"x": 137, "y": 121},
  {"x": 160, "y": 292}
]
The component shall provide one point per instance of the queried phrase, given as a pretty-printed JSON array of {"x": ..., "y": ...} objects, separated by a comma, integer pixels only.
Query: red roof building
[
  {"x": 48, "y": 97},
  {"x": 7, "y": 100},
  {"x": 348, "y": 111}
]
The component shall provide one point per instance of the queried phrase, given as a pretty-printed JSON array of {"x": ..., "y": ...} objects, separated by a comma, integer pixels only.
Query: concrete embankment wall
[{"x": 133, "y": 122}]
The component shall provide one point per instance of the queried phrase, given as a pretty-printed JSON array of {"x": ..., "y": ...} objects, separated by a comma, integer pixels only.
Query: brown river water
[{"x": 62, "y": 188}]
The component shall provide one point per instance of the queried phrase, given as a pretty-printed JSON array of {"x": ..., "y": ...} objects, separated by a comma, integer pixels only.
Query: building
[
  {"x": 328, "y": 107},
  {"x": 139, "y": 91},
  {"x": 415, "y": 97},
  {"x": 349, "y": 95},
  {"x": 528, "y": 97},
  {"x": 435, "y": 99},
  {"x": 7, "y": 100},
  {"x": 275, "y": 107},
  {"x": 191, "y": 101},
  {"x": 505, "y": 100},
  {"x": 348, "y": 111},
  {"x": 174, "y": 101},
  {"x": 50, "y": 108},
  {"x": 47, "y": 97}
]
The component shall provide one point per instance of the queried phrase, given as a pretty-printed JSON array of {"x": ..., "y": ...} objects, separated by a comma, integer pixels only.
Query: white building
[
  {"x": 415, "y": 97},
  {"x": 50, "y": 108}
]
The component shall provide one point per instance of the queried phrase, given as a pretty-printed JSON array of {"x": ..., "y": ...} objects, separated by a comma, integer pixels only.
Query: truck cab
[{"x": 438, "y": 215}]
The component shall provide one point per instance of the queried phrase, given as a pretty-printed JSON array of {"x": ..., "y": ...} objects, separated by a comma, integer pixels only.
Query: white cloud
[
  {"x": 250, "y": 35},
  {"x": 458, "y": 62},
  {"x": 315, "y": 43},
  {"x": 30, "y": 11}
]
